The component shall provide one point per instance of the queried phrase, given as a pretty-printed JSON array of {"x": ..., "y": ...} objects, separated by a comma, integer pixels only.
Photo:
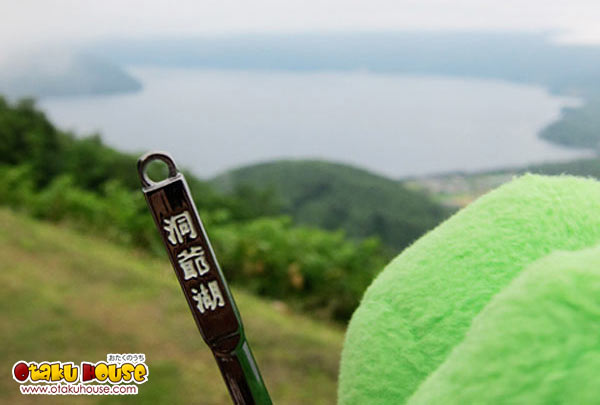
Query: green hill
[
  {"x": 578, "y": 128},
  {"x": 337, "y": 196},
  {"x": 72, "y": 297}
]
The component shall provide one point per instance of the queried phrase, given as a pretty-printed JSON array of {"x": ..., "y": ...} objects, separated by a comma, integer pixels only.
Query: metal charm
[{"x": 202, "y": 281}]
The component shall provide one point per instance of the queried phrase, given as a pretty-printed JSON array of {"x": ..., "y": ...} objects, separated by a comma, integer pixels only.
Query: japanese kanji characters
[
  {"x": 193, "y": 262},
  {"x": 178, "y": 226},
  {"x": 208, "y": 298}
]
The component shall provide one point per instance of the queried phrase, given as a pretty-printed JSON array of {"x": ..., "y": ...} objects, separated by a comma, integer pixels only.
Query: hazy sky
[{"x": 27, "y": 23}]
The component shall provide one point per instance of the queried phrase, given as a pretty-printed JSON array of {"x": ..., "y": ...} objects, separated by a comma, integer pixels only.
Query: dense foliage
[
  {"x": 325, "y": 273},
  {"x": 335, "y": 196},
  {"x": 54, "y": 175}
]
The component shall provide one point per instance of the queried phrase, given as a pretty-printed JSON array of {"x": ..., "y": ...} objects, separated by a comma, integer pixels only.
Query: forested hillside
[
  {"x": 579, "y": 127},
  {"x": 335, "y": 196}
]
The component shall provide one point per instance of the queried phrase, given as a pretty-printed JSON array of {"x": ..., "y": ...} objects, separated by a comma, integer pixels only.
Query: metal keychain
[{"x": 202, "y": 281}]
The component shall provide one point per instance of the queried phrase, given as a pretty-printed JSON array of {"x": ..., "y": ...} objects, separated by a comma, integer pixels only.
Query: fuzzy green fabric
[
  {"x": 537, "y": 342},
  {"x": 423, "y": 303}
]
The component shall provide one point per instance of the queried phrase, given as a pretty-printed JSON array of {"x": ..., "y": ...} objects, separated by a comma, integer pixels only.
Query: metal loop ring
[{"x": 149, "y": 157}]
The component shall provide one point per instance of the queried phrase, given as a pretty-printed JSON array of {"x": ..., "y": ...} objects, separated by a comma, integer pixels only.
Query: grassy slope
[
  {"x": 336, "y": 196},
  {"x": 76, "y": 298}
]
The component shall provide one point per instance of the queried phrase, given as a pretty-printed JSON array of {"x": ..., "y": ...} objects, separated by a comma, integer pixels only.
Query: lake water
[{"x": 395, "y": 125}]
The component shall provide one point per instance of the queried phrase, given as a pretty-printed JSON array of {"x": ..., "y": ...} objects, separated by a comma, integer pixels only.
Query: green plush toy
[{"x": 499, "y": 304}]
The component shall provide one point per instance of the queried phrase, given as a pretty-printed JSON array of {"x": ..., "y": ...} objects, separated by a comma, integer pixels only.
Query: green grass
[{"x": 71, "y": 297}]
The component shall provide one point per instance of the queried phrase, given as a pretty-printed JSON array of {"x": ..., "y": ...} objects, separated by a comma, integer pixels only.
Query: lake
[{"x": 396, "y": 125}]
